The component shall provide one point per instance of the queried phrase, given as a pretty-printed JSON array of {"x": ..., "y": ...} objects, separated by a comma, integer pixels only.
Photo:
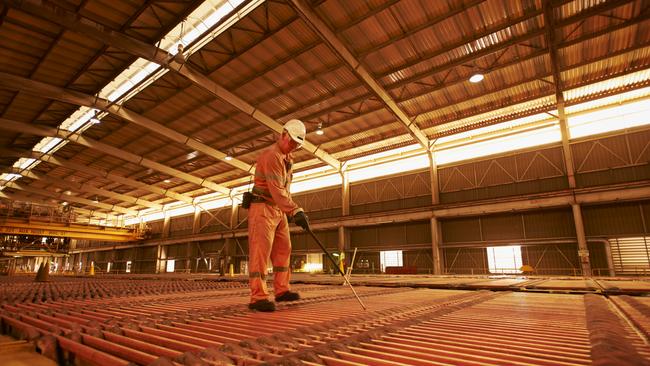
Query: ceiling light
[
  {"x": 478, "y": 77},
  {"x": 228, "y": 157},
  {"x": 64, "y": 203},
  {"x": 68, "y": 193},
  {"x": 319, "y": 131},
  {"x": 167, "y": 181}
]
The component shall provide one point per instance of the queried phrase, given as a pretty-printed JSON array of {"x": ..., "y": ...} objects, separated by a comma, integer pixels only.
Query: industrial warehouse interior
[{"x": 476, "y": 174}]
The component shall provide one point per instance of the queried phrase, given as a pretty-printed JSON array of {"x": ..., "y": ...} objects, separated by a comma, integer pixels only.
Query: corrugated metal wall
[
  {"x": 614, "y": 159},
  {"x": 155, "y": 228},
  {"x": 216, "y": 220},
  {"x": 510, "y": 227},
  {"x": 552, "y": 259},
  {"x": 614, "y": 220},
  {"x": 512, "y": 174},
  {"x": 621, "y": 157},
  {"x": 398, "y": 192},
  {"x": 181, "y": 225},
  {"x": 303, "y": 243},
  {"x": 392, "y": 236},
  {"x": 321, "y": 204},
  {"x": 465, "y": 260}
]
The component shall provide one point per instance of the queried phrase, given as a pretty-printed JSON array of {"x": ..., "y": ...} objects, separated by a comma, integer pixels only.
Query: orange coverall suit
[{"x": 268, "y": 229}]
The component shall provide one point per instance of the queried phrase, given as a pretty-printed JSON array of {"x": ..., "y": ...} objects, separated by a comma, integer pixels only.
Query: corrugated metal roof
[{"x": 421, "y": 53}]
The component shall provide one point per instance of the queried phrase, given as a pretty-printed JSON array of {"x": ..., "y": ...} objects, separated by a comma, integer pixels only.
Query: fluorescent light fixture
[{"x": 476, "y": 78}]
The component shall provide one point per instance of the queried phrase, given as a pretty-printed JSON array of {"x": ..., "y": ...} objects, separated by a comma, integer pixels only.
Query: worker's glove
[{"x": 301, "y": 220}]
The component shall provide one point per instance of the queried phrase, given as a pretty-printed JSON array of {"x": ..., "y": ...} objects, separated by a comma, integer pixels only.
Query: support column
[
  {"x": 551, "y": 40},
  {"x": 196, "y": 222},
  {"x": 436, "y": 236},
  {"x": 436, "y": 233},
  {"x": 345, "y": 193},
  {"x": 165, "y": 228},
  {"x": 433, "y": 175},
  {"x": 196, "y": 227},
  {"x": 344, "y": 233},
  {"x": 161, "y": 259},
  {"x": 610, "y": 260},
  {"x": 583, "y": 250},
  {"x": 566, "y": 148},
  {"x": 229, "y": 248}
]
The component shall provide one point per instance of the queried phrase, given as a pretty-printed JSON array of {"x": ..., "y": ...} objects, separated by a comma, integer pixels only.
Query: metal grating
[{"x": 143, "y": 321}]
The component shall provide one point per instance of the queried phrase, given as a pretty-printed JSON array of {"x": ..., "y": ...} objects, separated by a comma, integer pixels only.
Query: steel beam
[
  {"x": 85, "y": 187},
  {"x": 22, "y": 198},
  {"x": 74, "y": 97},
  {"x": 64, "y": 197},
  {"x": 559, "y": 91},
  {"x": 67, "y": 230},
  {"x": 27, "y": 128},
  {"x": 48, "y": 158},
  {"x": 335, "y": 44},
  {"x": 563, "y": 198},
  {"x": 149, "y": 52}
]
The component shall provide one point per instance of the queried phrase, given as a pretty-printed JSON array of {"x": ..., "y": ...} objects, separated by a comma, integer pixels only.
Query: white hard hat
[{"x": 296, "y": 129}]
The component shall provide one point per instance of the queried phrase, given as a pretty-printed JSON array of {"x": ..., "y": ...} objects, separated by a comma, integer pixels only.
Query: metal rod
[
  {"x": 336, "y": 266},
  {"x": 349, "y": 271}
]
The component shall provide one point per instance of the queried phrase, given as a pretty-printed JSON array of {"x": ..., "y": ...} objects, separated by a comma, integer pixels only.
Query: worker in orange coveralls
[{"x": 268, "y": 228}]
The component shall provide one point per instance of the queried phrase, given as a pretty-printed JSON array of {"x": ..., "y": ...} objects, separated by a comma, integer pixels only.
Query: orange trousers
[{"x": 268, "y": 235}]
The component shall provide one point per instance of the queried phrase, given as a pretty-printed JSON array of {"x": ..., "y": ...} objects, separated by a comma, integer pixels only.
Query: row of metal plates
[
  {"x": 604, "y": 285},
  {"x": 203, "y": 324}
]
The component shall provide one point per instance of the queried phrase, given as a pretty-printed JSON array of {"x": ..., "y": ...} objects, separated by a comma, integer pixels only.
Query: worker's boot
[
  {"x": 262, "y": 305},
  {"x": 288, "y": 296}
]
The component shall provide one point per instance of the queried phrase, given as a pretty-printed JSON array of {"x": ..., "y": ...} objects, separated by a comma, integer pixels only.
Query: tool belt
[
  {"x": 250, "y": 197},
  {"x": 260, "y": 199}
]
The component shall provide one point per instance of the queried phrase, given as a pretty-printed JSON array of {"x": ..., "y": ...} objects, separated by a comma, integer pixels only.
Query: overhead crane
[{"x": 18, "y": 226}]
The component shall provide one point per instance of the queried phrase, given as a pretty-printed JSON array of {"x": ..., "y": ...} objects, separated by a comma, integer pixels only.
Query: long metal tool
[{"x": 336, "y": 266}]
